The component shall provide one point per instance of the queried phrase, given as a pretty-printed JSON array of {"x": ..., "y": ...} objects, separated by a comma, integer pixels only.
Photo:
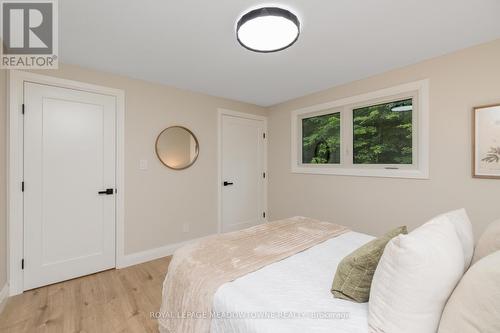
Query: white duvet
[{"x": 290, "y": 295}]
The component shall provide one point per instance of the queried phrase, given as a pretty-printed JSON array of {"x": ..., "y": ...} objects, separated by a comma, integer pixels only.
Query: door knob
[
  {"x": 228, "y": 183},
  {"x": 108, "y": 191}
]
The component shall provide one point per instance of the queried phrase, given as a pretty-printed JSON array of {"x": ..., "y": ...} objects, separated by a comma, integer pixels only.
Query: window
[
  {"x": 381, "y": 134},
  {"x": 321, "y": 139}
]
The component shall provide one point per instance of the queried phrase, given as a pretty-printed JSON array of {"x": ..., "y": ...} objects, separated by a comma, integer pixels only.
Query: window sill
[{"x": 360, "y": 172}]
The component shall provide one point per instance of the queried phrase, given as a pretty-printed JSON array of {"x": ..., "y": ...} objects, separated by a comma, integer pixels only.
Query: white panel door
[
  {"x": 69, "y": 156},
  {"x": 243, "y": 170}
]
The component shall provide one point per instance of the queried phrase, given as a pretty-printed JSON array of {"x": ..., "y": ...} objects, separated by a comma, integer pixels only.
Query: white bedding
[{"x": 296, "y": 286}]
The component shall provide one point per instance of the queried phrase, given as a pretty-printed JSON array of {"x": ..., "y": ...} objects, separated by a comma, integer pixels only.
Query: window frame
[
  {"x": 419, "y": 169},
  {"x": 316, "y": 114}
]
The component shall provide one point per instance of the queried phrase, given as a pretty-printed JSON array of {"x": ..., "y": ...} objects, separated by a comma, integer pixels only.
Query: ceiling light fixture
[{"x": 268, "y": 29}]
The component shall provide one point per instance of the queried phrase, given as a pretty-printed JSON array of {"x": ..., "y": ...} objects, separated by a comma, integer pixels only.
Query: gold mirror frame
[{"x": 195, "y": 140}]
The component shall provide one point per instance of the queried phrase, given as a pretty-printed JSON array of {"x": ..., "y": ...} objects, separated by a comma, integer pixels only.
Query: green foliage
[
  {"x": 321, "y": 139},
  {"x": 383, "y": 136}
]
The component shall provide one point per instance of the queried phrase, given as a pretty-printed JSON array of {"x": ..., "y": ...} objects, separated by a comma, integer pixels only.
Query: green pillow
[{"x": 355, "y": 272}]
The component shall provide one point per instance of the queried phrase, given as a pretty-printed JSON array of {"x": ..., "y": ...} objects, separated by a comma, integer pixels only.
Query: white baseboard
[
  {"x": 148, "y": 255},
  {"x": 4, "y": 294}
]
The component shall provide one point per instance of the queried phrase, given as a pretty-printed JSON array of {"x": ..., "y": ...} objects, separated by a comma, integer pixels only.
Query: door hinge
[
  {"x": 22, "y": 186},
  {"x": 264, "y": 214},
  {"x": 22, "y": 263},
  {"x": 22, "y": 109}
]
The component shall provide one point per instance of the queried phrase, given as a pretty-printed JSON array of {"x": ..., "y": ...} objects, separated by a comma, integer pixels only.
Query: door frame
[
  {"x": 220, "y": 114},
  {"x": 15, "y": 160}
]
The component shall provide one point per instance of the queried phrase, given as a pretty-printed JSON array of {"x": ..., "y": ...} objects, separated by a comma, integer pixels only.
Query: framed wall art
[{"x": 486, "y": 142}]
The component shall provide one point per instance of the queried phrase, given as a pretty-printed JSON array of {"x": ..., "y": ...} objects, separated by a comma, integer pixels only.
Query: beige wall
[
  {"x": 3, "y": 184},
  {"x": 158, "y": 201},
  {"x": 458, "y": 82}
]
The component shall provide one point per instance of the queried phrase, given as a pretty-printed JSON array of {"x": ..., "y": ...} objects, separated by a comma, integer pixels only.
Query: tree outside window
[{"x": 382, "y": 134}]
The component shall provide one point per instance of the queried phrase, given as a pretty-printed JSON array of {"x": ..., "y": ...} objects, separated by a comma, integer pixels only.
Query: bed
[
  {"x": 276, "y": 277},
  {"x": 297, "y": 285},
  {"x": 230, "y": 265}
]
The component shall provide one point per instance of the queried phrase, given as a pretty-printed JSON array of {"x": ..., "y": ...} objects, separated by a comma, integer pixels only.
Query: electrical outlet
[
  {"x": 143, "y": 164},
  {"x": 185, "y": 227}
]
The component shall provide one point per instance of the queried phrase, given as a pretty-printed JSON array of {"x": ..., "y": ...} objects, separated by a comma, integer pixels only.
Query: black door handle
[
  {"x": 108, "y": 191},
  {"x": 228, "y": 183}
]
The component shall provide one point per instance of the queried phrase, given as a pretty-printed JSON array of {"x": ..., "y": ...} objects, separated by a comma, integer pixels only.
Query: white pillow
[
  {"x": 462, "y": 225},
  {"x": 415, "y": 277}
]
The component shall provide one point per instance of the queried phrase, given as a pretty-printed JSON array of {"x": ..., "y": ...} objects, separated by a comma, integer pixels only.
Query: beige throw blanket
[{"x": 198, "y": 269}]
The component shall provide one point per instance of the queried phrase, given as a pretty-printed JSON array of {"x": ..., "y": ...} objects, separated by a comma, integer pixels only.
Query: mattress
[{"x": 292, "y": 295}]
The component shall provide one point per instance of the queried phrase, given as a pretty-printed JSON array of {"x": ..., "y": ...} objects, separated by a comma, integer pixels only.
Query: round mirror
[{"x": 177, "y": 147}]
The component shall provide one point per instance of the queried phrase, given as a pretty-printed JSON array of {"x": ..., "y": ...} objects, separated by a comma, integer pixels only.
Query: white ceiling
[{"x": 191, "y": 44}]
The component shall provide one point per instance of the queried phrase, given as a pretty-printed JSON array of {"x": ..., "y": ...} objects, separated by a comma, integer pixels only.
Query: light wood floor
[{"x": 110, "y": 301}]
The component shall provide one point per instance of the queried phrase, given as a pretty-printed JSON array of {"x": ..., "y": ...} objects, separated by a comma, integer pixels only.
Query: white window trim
[{"x": 421, "y": 168}]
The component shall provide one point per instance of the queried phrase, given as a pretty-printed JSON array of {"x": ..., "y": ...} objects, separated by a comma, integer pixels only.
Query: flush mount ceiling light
[{"x": 268, "y": 29}]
